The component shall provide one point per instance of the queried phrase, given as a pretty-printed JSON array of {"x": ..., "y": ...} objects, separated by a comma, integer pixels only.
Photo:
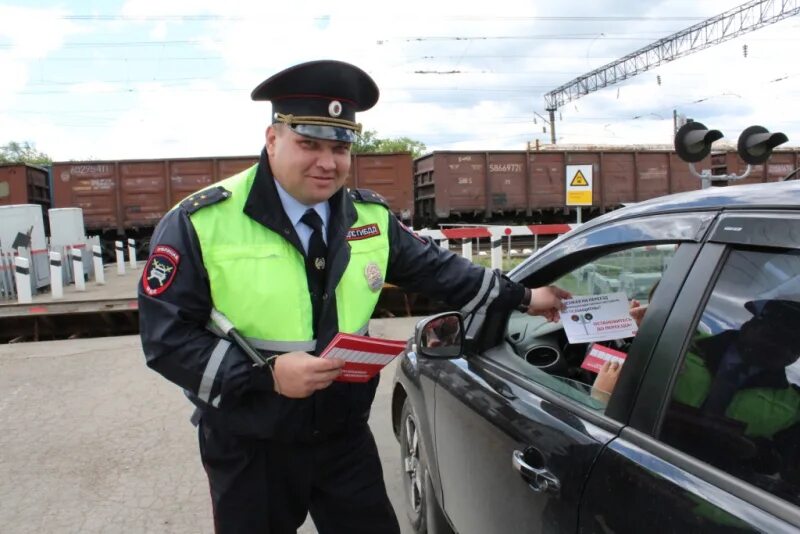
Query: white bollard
[
  {"x": 132, "y": 253},
  {"x": 77, "y": 269},
  {"x": 445, "y": 244},
  {"x": 466, "y": 249},
  {"x": 56, "y": 280},
  {"x": 97, "y": 256},
  {"x": 497, "y": 252},
  {"x": 120, "y": 257},
  {"x": 22, "y": 275}
]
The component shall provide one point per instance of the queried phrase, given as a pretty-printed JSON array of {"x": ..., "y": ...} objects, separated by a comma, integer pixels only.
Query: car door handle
[{"x": 539, "y": 479}]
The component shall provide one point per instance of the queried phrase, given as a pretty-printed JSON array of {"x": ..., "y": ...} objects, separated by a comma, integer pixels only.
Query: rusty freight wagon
[
  {"x": 390, "y": 174},
  {"x": 24, "y": 184},
  {"x": 128, "y": 197},
  {"x": 507, "y": 185},
  {"x": 780, "y": 165}
]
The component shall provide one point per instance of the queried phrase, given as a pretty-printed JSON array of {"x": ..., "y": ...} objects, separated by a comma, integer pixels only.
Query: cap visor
[{"x": 329, "y": 133}]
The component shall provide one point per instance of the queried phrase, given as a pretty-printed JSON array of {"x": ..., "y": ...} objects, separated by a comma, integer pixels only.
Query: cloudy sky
[{"x": 158, "y": 78}]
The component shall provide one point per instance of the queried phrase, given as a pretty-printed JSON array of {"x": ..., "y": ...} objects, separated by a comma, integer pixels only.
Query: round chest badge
[{"x": 374, "y": 277}]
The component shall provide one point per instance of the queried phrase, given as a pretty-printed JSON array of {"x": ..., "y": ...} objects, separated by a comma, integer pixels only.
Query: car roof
[{"x": 773, "y": 195}]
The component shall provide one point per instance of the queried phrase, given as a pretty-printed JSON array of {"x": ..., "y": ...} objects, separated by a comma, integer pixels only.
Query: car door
[
  {"x": 515, "y": 436},
  {"x": 714, "y": 438}
]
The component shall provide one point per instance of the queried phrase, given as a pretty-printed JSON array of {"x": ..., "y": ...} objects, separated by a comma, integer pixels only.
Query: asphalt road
[{"x": 92, "y": 441}]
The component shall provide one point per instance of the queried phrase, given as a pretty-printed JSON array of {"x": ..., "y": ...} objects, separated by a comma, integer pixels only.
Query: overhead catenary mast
[{"x": 745, "y": 18}]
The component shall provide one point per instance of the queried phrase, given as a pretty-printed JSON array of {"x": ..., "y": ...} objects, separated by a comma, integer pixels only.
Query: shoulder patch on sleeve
[
  {"x": 412, "y": 232},
  {"x": 368, "y": 195},
  {"x": 160, "y": 270},
  {"x": 204, "y": 198}
]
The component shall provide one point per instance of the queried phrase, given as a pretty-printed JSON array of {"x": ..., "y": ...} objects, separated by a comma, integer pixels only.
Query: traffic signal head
[
  {"x": 756, "y": 144},
  {"x": 693, "y": 141}
]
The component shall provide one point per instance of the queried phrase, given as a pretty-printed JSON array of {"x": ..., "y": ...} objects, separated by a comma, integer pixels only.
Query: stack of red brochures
[{"x": 363, "y": 356}]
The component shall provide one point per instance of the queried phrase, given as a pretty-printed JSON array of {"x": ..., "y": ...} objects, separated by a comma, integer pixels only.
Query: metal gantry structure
[{"x": 745, "y": 18}]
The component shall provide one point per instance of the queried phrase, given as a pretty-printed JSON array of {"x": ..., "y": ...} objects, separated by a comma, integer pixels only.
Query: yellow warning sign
[
  {"x": 579, "y": 180},
  {"x": 579, "y": 198},
  {"x": 578, "y": 185}
]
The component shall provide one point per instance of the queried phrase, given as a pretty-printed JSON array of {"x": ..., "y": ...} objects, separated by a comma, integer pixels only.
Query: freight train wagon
[
  {"x": 530, "y": 186},
  {"x": 25, "y": 184},
  {"x": 780, "y": 165},
  {"x": 127, "y": 198}
]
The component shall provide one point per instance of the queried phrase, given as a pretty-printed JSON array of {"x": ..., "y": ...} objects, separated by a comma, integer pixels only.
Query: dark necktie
[{"x": 316, "y": 262}]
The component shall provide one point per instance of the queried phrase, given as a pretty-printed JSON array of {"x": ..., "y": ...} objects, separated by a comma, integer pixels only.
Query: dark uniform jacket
[{"x": 178, "y": 345}]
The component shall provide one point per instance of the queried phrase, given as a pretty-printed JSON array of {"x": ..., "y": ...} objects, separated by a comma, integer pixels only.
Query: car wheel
[{"x": 413, "y": 470}]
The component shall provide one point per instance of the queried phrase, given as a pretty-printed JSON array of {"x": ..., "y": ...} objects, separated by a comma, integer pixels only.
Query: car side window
[
  {"x": 551, "y": 360},
  {"x": 736, "y": 398}
]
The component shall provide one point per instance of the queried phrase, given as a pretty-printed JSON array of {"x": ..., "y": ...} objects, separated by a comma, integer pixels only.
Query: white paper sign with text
[{"x": 598, "y": 318}]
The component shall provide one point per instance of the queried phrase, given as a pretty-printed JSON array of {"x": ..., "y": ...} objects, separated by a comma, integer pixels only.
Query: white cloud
[
  {"x": 487, "y": 67},
  {"x": 159, "y": 31},
  {"x": 34, "y": 33},
  {"x": 27, "y": 35},
  {"x": 93, "y": 87}
]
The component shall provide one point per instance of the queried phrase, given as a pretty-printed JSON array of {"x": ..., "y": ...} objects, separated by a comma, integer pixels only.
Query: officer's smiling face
[{"x": 311, "y": 170}]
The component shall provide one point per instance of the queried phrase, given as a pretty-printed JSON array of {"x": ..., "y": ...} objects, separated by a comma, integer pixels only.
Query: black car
[{"x": 507, "y": 433}]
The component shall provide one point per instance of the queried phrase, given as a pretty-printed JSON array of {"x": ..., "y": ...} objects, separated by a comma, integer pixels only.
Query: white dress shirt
[{"x": 295, "y": 210}]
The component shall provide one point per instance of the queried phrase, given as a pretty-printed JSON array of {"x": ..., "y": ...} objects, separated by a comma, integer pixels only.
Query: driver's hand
[
  {"x": 637, "y": 311},
  {"x": 606, "y": 380},
  {"x": 547, "y": 302}
]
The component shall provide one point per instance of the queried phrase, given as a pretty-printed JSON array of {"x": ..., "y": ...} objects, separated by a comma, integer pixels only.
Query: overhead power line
[
  {"x": 745, "y": 18},
  {"x": 196, "y": 42},
  {"x": 553, "y": 37},
  {"x": 111, "y": 44},
  {"x": 475, "y": 18}
]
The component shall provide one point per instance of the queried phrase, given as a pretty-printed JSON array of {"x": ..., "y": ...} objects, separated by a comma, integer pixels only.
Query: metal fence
[{"x": 8, "y": 287}]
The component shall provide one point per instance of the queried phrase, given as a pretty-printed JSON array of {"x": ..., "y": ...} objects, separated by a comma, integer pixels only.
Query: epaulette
[
  {"x": 368, "y": 195},
  {"x": 204, "y": 198}
]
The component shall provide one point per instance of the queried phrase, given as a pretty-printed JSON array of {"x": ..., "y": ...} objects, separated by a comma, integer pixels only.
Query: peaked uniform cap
[
  {"x": 319, "y": 99},
  {"x": 782, "y": 314}
]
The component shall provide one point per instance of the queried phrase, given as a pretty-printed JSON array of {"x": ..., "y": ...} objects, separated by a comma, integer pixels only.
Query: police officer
[{"x": 291, "y": 258}]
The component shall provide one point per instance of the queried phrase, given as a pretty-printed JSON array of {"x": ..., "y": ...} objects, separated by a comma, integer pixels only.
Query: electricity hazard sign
[
  {"x": 578, "y": 180},
  {"x": 579, "y": 185}
]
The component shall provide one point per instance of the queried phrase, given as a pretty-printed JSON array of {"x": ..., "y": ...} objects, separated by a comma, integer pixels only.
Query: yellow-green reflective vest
[
  {"x": 258, "y": 278},
  {"x": 765, "y": 411}
]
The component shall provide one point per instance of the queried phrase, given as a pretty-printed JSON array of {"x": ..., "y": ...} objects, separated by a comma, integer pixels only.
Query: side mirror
[
  {"x": 440, "y": 336},
  {"x": 756, "y": 144},
  {"x": 693, "y": 141}
]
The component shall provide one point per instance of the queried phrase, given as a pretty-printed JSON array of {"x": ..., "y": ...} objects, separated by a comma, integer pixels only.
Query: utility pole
[
  {"x": 674, "y": 123},
  {"x": 551, "y": 122}
]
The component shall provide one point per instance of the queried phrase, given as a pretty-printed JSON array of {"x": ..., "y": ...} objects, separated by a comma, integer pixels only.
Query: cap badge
[
  {"x": 319, "y": 263},
  {"x": 335, "y": 108},
  {"x": 374, "y": 277}
]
